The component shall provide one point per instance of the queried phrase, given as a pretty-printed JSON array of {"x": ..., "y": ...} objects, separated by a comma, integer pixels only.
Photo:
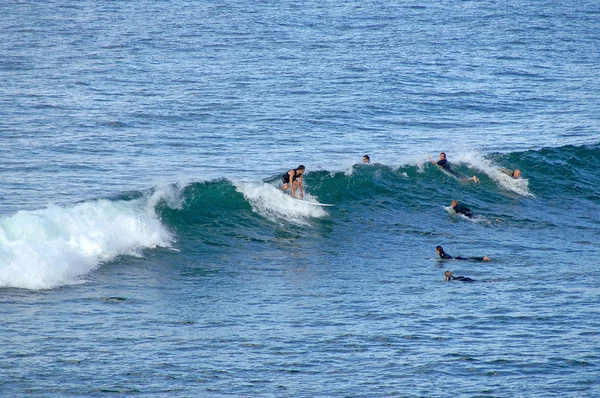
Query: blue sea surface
[{"x": 147, "y": 250}]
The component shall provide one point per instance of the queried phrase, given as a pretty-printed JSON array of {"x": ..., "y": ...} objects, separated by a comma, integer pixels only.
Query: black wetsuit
[
  {"x": 446, "y": 166},
  {"x": 445, "y": 256},
  {"x": 461, "y": 278},
  {"x": 460, "y": 209},
  {"x": 286, "y": 176}
]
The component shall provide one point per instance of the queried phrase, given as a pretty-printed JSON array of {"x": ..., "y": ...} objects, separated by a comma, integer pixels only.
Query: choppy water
[{"x": 145, "y": 248}]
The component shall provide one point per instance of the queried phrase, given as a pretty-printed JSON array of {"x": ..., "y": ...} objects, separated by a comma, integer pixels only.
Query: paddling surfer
[
  {"x": 443, "y": 164},
  {"x": 449, "y": 277},
  {"x": 445, "y": 256},
  {"x": 294, "y": 178},
  {"x": 516, "y": 173},
  {"x": 460, "y": 209}
]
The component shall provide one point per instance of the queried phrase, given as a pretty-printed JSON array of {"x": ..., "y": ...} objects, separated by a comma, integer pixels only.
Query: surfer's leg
[
  {"x": 469, "y": 179},
  {"x": 284, "y": 187},
  {"x": 295, "y": 186}
]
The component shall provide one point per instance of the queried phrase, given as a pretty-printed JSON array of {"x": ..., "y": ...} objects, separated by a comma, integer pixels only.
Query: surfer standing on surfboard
[
  {"x": 443, "y": 163},
  {"x": 294, "y": 177}
]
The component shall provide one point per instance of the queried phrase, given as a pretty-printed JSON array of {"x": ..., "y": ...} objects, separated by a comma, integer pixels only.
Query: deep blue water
[{"x": 145, "y": 249}]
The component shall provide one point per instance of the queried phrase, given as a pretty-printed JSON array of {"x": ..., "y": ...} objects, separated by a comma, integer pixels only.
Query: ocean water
[{"x": 147, "y": 250}]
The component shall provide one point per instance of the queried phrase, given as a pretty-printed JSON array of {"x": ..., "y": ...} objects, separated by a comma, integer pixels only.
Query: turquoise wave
[{"x": 566, "y": 174}]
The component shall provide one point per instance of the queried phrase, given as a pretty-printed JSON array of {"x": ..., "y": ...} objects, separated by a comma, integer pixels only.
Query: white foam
[
  {"x": 450, "y": 209},
  {"x": 58, "y": 246},
  {"x": 477, "y": 161},
  {"x": 275, "y": 205},
  {"x": 172, "y": 194}
]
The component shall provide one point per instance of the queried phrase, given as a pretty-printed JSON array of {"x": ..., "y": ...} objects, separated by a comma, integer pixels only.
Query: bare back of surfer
[
  {"x": 294, "y": 179},
  {"x": 443, "y": 164}
]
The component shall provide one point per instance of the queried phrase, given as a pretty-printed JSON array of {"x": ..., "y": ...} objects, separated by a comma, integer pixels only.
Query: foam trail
[
  {"x": 476, "y": 160},
  {"x": 58, "y": 246},
  {"x": 274, "y": 204}
]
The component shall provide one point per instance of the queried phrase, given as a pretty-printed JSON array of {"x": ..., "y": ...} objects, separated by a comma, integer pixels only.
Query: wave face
[
  {"x": 217, "y": 213},
  {"x": 60, "y": 245}
]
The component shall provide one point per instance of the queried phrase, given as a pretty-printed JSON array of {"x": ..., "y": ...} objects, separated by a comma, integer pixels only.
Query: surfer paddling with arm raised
[
  {"x": 443, "y": 164},
  {"x": 294, "y": 178}
]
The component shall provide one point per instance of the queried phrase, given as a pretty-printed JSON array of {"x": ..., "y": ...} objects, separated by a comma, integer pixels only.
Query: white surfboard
[{"x": 312, "y": 203}]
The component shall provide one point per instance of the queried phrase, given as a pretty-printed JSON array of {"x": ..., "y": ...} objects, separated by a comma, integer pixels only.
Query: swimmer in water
[
  {"x": 366, "y": 159},
  {"x": 460, "y": 209},
  {"x": 449, "y": 277},
  {"x": 294, "y": 177},
  {"x": 513, "y": 173},
  {"x": 445, "y": 256},
  {"x": 443, "y": 164}
]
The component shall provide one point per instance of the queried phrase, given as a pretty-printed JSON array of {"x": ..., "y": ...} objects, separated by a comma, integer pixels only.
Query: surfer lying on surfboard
[
  {"x": 445, "y": 166},
  {"x": 445, "y": 256},
  {"x": 294, "y": 177},
  {"x": 449, "y": 277},
  {"x": 460, "y": 209}
]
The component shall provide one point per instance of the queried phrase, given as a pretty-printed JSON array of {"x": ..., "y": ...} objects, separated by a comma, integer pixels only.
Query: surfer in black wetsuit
[
  {"x": 445, "y": 256},
  {"x": 295, "y": 177},
  {"x": 443, "y": 164},
  {"x": 460, "y": 209},
  {"x": 449, "y": 277}
]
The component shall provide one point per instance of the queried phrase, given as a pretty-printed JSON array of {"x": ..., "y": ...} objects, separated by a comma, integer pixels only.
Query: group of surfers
[
  {"x": 465, "y": 211},
  {"x": 293, "y": 179}
]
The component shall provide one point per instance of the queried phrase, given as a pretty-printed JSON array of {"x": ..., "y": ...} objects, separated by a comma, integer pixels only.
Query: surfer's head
[
  {"x": 439, "y": 249},
  {"x": 366, "y": 159},
  {"x": 448, "y": 276},
  {"x": 300, "y": 169},
  {"x": 442, "y": 155},
  {"x": 454, "y": 202},
  {"x": 516, "y": 173}
]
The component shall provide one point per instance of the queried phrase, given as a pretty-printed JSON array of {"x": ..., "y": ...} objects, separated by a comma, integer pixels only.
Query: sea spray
[
  {"x": 57, "y": 246},
  {"x": 273, "y": 204},
  {"x": 479, "y": 161}
]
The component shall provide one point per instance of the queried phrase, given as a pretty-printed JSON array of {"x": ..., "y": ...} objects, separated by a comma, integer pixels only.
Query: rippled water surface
[{"x": 146, "y": 250}]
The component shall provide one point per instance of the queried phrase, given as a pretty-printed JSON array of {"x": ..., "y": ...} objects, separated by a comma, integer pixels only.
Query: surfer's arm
[
  {"x": 291, "y": 175},
  {"x": 431, "y": 160},
  {"x": 300, "y": 185}
]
